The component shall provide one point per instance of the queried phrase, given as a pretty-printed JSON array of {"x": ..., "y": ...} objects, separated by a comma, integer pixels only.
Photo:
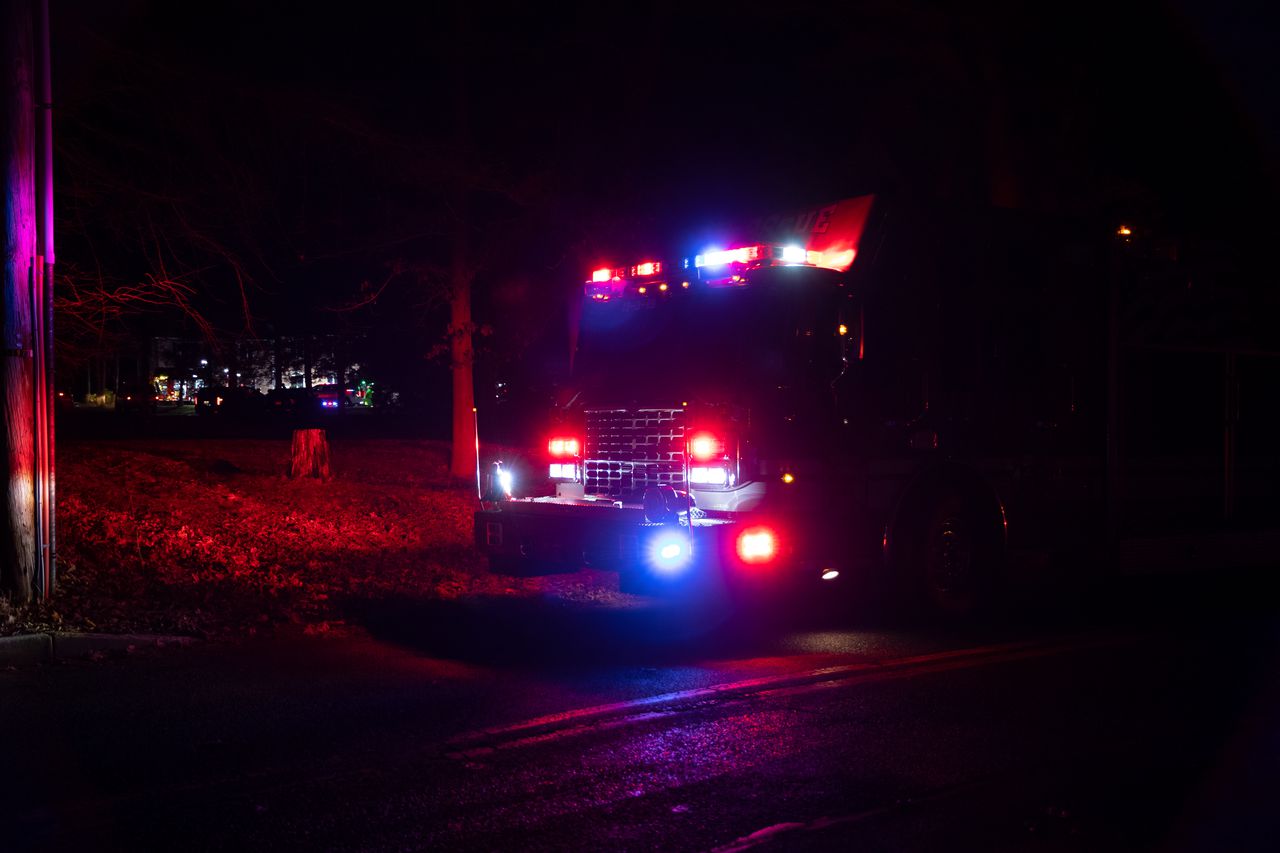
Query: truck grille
[{"x": 629, "y": 449}]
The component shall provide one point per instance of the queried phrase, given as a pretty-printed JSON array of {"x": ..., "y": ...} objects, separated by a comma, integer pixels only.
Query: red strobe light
[
  {"x": 721, "y": 257},
  {"x": 704, "y": 447},
  {"x": 563, "y": 447},
  {"x": 757, "y": 545},
  {"x": 602, "y": 275}
]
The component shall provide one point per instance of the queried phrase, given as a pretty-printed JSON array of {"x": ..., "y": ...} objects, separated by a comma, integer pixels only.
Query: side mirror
[{"x": 923, "y": 439}]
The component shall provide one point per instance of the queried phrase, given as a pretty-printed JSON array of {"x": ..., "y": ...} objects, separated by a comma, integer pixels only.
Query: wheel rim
[{"x": 950, "y": 566}]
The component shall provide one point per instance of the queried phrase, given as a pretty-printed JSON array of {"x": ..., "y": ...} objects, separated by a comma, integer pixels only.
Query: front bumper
[{"x": 557, "y": 534}]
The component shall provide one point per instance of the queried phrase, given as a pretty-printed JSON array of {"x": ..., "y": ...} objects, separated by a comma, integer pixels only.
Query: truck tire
[{"x": 951, "y": 558}]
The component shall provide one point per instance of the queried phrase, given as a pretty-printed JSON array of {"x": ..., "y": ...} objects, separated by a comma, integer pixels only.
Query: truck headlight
[
  {"x": 563, "y": 471},
  {"x": 716, "y": 475}
]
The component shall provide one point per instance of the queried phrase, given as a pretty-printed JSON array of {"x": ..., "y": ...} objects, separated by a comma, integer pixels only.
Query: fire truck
[{"x": 938, "y": 401}]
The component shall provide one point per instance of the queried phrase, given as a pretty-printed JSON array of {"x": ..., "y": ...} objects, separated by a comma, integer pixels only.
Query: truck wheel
[{"x": 952, "y": 559}]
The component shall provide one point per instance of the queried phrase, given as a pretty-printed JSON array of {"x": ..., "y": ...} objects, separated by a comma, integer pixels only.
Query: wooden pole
[
  {"x": 42, "y": 308},
  {"x": 18, "y": 552}
]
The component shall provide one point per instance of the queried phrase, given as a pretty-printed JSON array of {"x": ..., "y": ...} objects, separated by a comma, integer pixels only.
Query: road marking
[{"x": 551, "y": 727}]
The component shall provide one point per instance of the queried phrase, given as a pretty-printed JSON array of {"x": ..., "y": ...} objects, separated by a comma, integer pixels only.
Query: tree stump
[{"x": 310, "y": 454}]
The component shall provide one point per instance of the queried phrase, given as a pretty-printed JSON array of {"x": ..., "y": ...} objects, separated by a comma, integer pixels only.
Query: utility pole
[{"x": 26, "y": 341}]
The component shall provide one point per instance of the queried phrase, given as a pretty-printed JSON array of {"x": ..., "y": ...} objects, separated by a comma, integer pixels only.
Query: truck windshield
[{"x": 777, "y": 333}]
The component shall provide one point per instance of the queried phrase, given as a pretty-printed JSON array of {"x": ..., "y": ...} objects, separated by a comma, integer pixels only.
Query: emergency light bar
[
  {"x": 825, "y": 237},
  {"x": 766, "y": 254},
  {"x": 719, "y": 258},
  {"x": 607, "y": 283},
  {"x": 716, "y": 267}
]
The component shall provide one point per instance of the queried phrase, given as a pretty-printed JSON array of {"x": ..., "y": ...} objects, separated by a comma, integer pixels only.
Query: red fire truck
[{"x": 869, "y": 391}]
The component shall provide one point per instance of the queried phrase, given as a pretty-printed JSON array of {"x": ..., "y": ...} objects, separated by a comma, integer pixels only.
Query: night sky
[{"x": 321, "y": 153}]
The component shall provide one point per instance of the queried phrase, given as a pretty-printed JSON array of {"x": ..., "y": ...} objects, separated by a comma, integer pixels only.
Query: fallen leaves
[{"x": 151, "y": 538}]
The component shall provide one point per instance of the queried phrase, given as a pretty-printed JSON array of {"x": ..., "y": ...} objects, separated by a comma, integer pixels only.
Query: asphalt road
[{"x": 539, "y": 727}]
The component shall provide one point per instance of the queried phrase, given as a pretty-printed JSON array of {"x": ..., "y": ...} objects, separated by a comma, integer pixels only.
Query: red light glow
[
  {"x": 647, "y": 268},
  {"x": 601, "y": 275},
  {"x": 743, "y": 255},
  {"x": 833, "y": 259},
  {"x": 704, "y": 447},
  {"x": 757, "y": 545},
  {"x": 563, "y": 446}
]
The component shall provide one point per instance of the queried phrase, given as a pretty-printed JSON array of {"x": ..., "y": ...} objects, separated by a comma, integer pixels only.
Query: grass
[{"x": 211, "y": 538}]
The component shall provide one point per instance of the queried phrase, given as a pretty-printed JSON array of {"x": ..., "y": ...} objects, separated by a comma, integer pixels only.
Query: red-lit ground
[{"x": 210, "y": 537}]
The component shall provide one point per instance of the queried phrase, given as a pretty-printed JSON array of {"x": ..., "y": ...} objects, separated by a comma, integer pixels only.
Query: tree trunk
[
  {"x": 461, "y": 345},
  {"x": 306, "y": 362},
  {"x": 310, "y": 454},
  {"x": 463, "y": 464},
  {"x": 277, "y": 362},
  {"x": 340, "y": 368},
  {"x": 17, "y": 439}
]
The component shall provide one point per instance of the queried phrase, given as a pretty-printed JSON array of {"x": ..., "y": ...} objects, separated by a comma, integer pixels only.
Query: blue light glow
[{"x": 669, "y": 551}]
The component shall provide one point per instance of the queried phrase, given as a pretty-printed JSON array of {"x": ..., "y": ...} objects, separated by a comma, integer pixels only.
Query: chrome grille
[{"x": 629, "y": 449}]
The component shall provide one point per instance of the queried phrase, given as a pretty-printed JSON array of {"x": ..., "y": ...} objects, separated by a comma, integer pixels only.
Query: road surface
[{"x": 528, "y": 727}]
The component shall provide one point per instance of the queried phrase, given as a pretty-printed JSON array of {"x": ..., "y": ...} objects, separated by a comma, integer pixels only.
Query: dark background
[{"x": 309, "y": 169}]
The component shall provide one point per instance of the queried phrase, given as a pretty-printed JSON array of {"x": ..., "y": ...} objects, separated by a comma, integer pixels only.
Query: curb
[{"x": 24, "y": 649}]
